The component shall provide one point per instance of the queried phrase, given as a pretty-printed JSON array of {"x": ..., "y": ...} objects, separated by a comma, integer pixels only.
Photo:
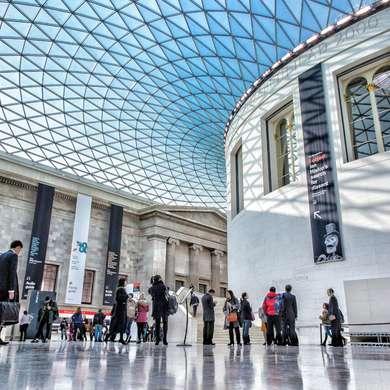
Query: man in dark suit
[
  {"x": 289, "y": 313},
  {"x": 9, "y": 287},
  {"x": 208, "y": 317}
]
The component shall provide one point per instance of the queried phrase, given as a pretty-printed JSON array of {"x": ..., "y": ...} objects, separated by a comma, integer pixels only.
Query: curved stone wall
[{"x": 270, "y": 240}]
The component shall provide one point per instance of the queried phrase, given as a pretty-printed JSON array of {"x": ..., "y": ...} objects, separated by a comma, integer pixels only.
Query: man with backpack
[
  {"x": 161, "y": 307},
  {"x": 271, "y": 307}
]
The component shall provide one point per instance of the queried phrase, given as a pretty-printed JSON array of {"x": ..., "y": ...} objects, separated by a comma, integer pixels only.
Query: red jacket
[{"x": 271, "y": 304}]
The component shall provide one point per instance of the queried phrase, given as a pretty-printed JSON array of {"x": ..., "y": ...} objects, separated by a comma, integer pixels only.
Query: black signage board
[
  {"x": 39, "y": 238},
  {"x": 113, "y": 254},
  {"x": 324, "y": 218}
]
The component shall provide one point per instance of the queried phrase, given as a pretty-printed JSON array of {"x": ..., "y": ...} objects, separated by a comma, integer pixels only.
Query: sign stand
[{"x": 184, "y": 344}]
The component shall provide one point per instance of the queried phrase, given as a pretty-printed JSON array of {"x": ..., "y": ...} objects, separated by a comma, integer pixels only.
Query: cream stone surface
[{"x": 146, "y": 231}]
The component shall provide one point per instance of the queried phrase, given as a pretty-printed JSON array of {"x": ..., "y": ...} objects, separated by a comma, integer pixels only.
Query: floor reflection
[{"x": 99, "y": 366}]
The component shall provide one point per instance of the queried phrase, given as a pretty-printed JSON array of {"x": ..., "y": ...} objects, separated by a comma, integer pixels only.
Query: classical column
[
  {"x": 216, "y": 256},
  {"x": 154, "y": 259},
  {"x": 171, "y": 262},
  {"x": 194, "y": 265}
]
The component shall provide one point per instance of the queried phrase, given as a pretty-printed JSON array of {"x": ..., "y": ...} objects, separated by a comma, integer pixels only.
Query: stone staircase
[{"x": 221, "y": 336}]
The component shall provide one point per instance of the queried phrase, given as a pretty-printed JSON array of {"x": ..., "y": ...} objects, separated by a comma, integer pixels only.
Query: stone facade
[{"x": 148, "y": 236}]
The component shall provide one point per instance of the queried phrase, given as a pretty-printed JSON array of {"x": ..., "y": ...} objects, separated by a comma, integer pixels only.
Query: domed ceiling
[{"x": 135, "y": 95}]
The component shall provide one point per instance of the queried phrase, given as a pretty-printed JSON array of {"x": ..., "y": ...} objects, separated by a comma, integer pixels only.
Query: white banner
[{"x": 74, "y": 289}]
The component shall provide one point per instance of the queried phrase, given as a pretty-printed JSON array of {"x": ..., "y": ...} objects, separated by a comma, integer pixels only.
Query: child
[{"x": 324, "y": 317}]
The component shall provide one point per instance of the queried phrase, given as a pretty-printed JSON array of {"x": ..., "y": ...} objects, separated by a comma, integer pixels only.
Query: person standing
[
  {"x": 24, "y": 322},
  {"x": 47, "y": 314},
  {"x": 335, "y": 319},
  {"x": 98, "y": 322},
  {"x": 247, "y": 318},
  {"x": 324, "y": 317},
  {"x": 119, "y": 314},
  {"x": 208, "y": 305},
  {"x": 63, "y": 328},
  {"x": 142, "y": 317},
  {"x": 271, "y": 307},
  {"x": 9, "y": 285},
  {"x": 263, "y": 319},
  {"x": 131, "y": 315},
  {"x": 159, "y": 292},
  {"x": 77, "y": 324},
  {"x": 194, "y": 302},
  {"x": 231, "y": 309},
  {"x": 289, "y": 316}
]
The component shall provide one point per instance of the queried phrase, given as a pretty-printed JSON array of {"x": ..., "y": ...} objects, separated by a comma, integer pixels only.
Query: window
[
  {"x": 382, "y": 100},
  {"x": 49, "y": 281},
  {"x": 281, "y": 149},
  {"x": 222, "y": 292},
  {"x": 366, "y": 111},
  {"x": 89, "y": 278},
  {"x": 202, "y": 288},
  {"x": 178, "y": 284},
  {"x": 237, "y": 180}
]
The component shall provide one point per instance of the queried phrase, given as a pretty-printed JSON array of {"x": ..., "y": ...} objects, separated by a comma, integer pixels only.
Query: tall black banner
[
  {"x": 113, "y": 254},
  {"x": 322, "y": 198},
  {"x": 39, "y": 238}
]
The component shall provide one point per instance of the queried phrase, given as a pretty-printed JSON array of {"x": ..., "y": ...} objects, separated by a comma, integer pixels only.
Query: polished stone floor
[{"x": 86, "y": 366}]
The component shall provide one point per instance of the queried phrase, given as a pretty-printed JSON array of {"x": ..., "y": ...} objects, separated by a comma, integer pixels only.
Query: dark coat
[
  {"x": 289, "y": 308},
  {"x": 8, "y": 275},
  {"x": 158, "y": 291},
  {"x": 119, "y": 318},
  {"x": 98, "y": 319},
  {"x": 46, "y": 315},
  {"x": 334, "y": 308},
  {"x": 208, "y": 307},
  {"x": 194, "y": 300},
  {"x": 246, "y": 310}
]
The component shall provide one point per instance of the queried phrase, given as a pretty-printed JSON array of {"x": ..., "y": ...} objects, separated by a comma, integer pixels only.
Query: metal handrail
[{"x": 350, "y": 325}]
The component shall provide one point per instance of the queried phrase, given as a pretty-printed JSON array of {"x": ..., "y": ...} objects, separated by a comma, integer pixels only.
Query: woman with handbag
[
  {"x": 247, "y": 317},
  {"x": 231, "y": 309}
]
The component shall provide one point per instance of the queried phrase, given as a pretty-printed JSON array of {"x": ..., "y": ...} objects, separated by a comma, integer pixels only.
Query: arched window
[
  {"x": 361, "y": 119},
  {"x": 367, "y": 110},
  {"x": 381, "y": 85},
  {"x": 282, "y": 150}
]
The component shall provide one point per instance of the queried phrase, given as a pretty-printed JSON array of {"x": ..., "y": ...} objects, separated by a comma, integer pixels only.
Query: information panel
[
  {"x": 39, "y": 238},
  {"x": 113, "y": 254},
  {"x": 74, "y": 288},
  {"x": 322, "y": 198}
]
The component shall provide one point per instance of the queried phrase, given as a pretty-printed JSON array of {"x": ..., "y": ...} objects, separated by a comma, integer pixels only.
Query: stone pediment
[{"x": 206, "y": 216}]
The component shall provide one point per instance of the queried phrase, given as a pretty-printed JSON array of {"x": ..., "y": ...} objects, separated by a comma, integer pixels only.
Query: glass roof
[{"x": 135, "y": 94}]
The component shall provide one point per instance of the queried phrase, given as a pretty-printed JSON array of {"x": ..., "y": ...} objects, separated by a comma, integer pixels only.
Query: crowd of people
[{"x": 278, "y": 314}]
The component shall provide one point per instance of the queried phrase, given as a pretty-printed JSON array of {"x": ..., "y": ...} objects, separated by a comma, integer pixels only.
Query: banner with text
[
  {"x": 74, "y": 289},
  {"x": 39, "y": 238},
  {"x": 113, "y": 254},
  {"x": 324, "y": 218}
]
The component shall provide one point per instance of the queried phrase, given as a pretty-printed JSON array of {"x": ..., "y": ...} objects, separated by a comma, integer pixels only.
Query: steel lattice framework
[{"x": 135, "y": 94}]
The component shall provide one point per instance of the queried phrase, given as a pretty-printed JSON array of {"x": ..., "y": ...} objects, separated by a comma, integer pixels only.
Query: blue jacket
[{"x": 77, "y": 318}]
